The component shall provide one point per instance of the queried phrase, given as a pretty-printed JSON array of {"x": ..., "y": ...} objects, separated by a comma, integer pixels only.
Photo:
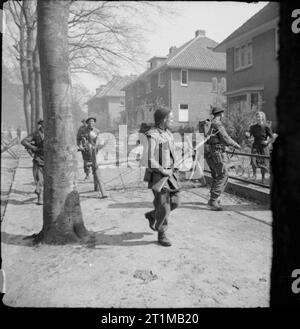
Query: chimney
[
  {"x": 172, "y": 49},
  {"x": 200, "y": 33}
]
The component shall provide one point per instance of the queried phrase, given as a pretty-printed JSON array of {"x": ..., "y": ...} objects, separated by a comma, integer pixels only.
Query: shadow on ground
[
  {"x": 21, "y": 203},
  {"x": 96, "y": 239}
]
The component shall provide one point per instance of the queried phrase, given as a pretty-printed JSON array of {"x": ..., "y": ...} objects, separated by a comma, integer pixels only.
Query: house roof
[
  {"x": 195, "y": 54},
  {"x": 114, "y": 87},
  {"x": 267, "y": 14}
]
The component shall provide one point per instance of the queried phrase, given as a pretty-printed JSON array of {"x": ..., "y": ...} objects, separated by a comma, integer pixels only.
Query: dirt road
[{"x": 218, "y": 259}]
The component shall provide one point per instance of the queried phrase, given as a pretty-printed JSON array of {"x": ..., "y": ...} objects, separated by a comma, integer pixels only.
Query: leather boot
[
  {"x": 214, "y": 205},
  {"x": 163, "y": 240},
  {"x": 151, "y": 221}
]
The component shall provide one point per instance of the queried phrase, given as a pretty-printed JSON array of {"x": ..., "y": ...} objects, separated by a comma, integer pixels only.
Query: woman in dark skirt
[{"x": 262, "y": 138}]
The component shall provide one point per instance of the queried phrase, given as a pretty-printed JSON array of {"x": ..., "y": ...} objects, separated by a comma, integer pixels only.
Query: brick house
[
  {"x": 189, "y": 80},
  {"x": 252, "y": 66},
  {"x": 108, "y": 104}
]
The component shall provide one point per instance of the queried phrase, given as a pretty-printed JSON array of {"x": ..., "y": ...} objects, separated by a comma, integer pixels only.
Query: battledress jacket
[{"x": 161, "y": 155}]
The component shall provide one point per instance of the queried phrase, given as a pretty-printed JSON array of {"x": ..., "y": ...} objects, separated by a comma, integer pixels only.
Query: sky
[{"x": 218, "y": 19}]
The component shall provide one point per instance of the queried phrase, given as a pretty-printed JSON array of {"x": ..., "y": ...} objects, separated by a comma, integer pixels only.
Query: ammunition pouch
[{"x": 217, "y": 148}]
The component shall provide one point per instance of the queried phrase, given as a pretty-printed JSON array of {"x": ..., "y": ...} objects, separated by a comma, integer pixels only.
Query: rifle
[{"x": 160, "y": 184}]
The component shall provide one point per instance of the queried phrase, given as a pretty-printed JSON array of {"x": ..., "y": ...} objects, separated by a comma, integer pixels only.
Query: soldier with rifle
[
  {"x": 216, "y": 157},
  {"x": 34, "y": 144},
  {"x": 87, "y": 144},
  {"x": 161, "y": 173}
]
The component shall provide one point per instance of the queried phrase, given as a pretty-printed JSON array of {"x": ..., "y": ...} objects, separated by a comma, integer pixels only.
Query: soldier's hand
[
  {"x": 237, "y": 146},
  {"x": 33, "y": 148},
  {"x": 168, "y": 172}
]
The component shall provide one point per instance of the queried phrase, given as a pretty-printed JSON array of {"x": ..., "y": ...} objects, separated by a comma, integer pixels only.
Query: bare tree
[
  {"x": 62, "y": 216},
  {"x": 24, "y": 17},
  {"x": 103, "y": 36},
  {"x": 21, "y": 55},
  {"x": 28, "y": 10}
]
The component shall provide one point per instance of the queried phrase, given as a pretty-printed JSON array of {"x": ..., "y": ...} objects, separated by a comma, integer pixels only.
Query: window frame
[
  {"x": 187, "y": 78},
  {"x": 237, "y": 60}
]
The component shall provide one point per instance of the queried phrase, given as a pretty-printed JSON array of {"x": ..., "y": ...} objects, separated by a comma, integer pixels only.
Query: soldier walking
[
  {"x": 161, "y": 173},
  {"x": 89, "y": 148},
  {"x": 34, "y": 144},
  {"x": 216, "y": 157}
]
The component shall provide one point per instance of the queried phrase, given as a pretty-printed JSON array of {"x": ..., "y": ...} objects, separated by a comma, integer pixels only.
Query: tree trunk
[
  {"x": 285, "y": 166},
  {"x": 37, "y": 85},
  {"x": 62, "y": 216},
  {"x": 29, "y": 56}
]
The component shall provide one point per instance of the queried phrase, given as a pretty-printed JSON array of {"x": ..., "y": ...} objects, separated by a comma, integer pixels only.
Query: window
[
  {"x": 254, "y": 101},
  {"x": 243, "y": 56},
  {"x": 183, "y": 113},
  {"x": 214, "y": 82},
  {"x": 184, "y": 77},
  {"x": 161, "y": 79},
  {"x": 223, "y": 85}
]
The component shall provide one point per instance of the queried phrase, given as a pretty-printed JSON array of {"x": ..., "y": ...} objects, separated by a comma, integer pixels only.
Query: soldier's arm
[
  {"x": 26, "y": 142},
  {"x": 226, "y": 139},
  {"x": 269, "y": 136},
  {"x": 78, "y": 137}
]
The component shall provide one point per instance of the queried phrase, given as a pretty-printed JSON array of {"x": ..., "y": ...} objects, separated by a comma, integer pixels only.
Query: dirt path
[
  {"x": 218, "y": 259},
  {"x": 8, "y": 168}
]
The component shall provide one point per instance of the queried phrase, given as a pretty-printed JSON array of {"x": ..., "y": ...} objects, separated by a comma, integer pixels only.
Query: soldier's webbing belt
[{"x": 217, "y": 147}]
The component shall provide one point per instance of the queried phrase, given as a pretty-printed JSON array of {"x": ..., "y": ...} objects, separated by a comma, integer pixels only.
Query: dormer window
[{"x": 184, "y": 77}]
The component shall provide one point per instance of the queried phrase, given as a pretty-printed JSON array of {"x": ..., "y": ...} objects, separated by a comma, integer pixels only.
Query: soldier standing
[
  {"x": 89, "y": 148},
  {"x": 216, "y": 157},
  {"x": 34, "y": 143},
  {"x": 81, "y": 131},
  {"x": 161, "y": 173}
]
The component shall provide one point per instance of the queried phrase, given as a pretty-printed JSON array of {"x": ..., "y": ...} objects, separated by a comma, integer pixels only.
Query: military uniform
[
  {"x": 86, "y": 139},
  {"x": 161, "y": 155},
  {"x": 36, "y": 139},
  {"x": 216, "y": 158}
]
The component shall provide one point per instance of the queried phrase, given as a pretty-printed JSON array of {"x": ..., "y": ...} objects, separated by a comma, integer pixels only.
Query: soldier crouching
[{"x": 161, "y": 174}]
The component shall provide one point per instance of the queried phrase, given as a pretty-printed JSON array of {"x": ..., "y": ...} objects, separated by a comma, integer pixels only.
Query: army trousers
[
  {"x": 164, "y": 202},
  {"x": 87, "y": 162},
  {"x": 38, "y": 176},
  {"x": 217, "y": 164}
]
